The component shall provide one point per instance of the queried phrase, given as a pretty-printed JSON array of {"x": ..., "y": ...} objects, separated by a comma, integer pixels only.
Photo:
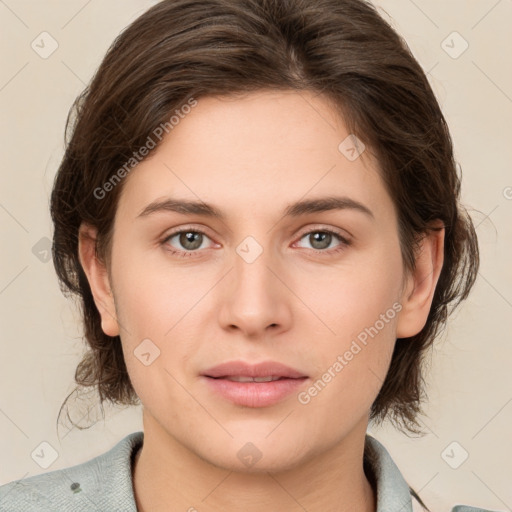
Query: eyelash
[{"x": 187, "y": 254}]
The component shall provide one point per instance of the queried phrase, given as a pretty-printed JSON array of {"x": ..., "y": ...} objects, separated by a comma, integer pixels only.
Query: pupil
[
  {"x": 322, "y": 237},
  {"x": 190, "y": 238}
]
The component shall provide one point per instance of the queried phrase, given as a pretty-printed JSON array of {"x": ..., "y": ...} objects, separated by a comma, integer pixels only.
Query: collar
[
  {"x": 392, "y": 491},
  {"x": 106, "y": 483}
]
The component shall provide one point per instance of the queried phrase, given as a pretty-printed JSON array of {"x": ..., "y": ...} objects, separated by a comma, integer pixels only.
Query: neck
[{"x": 167, "y": 474}]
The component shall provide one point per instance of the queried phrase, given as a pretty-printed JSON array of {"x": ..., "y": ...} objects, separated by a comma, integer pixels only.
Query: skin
[{"x": 251, "y": 157}]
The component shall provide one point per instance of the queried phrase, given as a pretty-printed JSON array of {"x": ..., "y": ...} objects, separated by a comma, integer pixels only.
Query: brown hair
[{"x": 343, "y": 49}]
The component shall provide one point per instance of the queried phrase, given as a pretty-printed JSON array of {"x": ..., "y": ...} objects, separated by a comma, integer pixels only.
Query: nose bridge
[
  {"x": 251, "y": 266},
  {"x": 255, "y": 298},
  {"x": 253, "y": 278}
]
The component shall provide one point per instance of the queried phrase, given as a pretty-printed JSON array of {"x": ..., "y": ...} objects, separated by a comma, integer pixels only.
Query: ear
[
  {"x": 98, "y": 278},
  {"x": 421, "y": 284}
]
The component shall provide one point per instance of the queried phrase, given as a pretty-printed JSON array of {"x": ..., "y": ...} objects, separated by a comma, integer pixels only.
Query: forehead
[{"x": 256, "y": 152}]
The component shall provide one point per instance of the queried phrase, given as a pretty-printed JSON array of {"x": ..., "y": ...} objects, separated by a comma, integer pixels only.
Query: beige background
[{"x": 470, "y": 387}]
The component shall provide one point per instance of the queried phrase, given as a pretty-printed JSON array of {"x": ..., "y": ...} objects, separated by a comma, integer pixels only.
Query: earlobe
[
  {"x": 98, "y": 278},
  {"x": 421, "y": 283}
]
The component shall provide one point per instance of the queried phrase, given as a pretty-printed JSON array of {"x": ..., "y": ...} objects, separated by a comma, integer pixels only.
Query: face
[{"x": 319, "y": 290}]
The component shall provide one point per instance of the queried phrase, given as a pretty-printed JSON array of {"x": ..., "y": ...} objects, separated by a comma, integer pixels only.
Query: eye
[
  {"x": 321, "y": 240},
  {"x": 186, "y": 242}
]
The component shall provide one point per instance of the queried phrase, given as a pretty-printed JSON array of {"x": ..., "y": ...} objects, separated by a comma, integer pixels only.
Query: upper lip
[{"x": 243, "y": 369}]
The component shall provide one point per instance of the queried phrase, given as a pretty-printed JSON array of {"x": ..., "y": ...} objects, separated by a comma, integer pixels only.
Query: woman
[{"x": 259, "y": 209}]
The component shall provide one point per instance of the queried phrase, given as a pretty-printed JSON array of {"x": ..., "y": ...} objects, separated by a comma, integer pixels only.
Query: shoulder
[
  {"x": 101, "y": 483},
  {"x": 392, "y": 490},
  {"x": 467, "y": 508}
]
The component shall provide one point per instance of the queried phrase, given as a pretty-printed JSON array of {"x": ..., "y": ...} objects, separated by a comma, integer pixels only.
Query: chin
[{"x": 254, "y": 457}]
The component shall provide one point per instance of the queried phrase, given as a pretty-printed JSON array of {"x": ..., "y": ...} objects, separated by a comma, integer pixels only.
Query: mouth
[
  {"x": 254, "y": 392},
  {"x": 267, "y": 370},
  {"x": 260, "y": 385},
  {"x": 245, "y": 378}
]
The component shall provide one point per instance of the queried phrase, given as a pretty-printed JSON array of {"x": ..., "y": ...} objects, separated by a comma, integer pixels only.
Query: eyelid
[
  {"x": 304, "y": 231},
  {"x": 181, "y": 229},
  {"x": 342, "y": 233},
  {"x": 188, "y": 227}
]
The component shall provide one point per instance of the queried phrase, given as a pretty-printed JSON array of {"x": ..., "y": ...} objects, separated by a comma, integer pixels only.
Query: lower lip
[{"x": 255, "y": 394}]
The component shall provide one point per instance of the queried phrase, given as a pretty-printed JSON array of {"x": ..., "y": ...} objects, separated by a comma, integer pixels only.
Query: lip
[
  {"x": 263, "y": 369},
  {"x": 254, "y": 394}
]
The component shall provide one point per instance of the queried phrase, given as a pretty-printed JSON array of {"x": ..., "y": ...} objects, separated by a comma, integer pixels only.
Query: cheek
[
  {"x": 351, "y": 371},
  {"x": 358, "y": 307},
  {"x": 351, "y": 296},
  {"x": 163, "y": 312},
  {"x": 154, "y": 295}
]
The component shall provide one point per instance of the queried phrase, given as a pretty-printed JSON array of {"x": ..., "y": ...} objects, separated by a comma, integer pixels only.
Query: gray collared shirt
[{"x": 104, "y": 484}]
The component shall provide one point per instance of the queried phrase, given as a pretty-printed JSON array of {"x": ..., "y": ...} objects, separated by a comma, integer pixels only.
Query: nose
[{"x": 255, "y": 299}]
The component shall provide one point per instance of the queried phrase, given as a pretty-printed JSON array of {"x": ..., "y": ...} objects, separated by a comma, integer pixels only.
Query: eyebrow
[{"x": 297, "y": 209}]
